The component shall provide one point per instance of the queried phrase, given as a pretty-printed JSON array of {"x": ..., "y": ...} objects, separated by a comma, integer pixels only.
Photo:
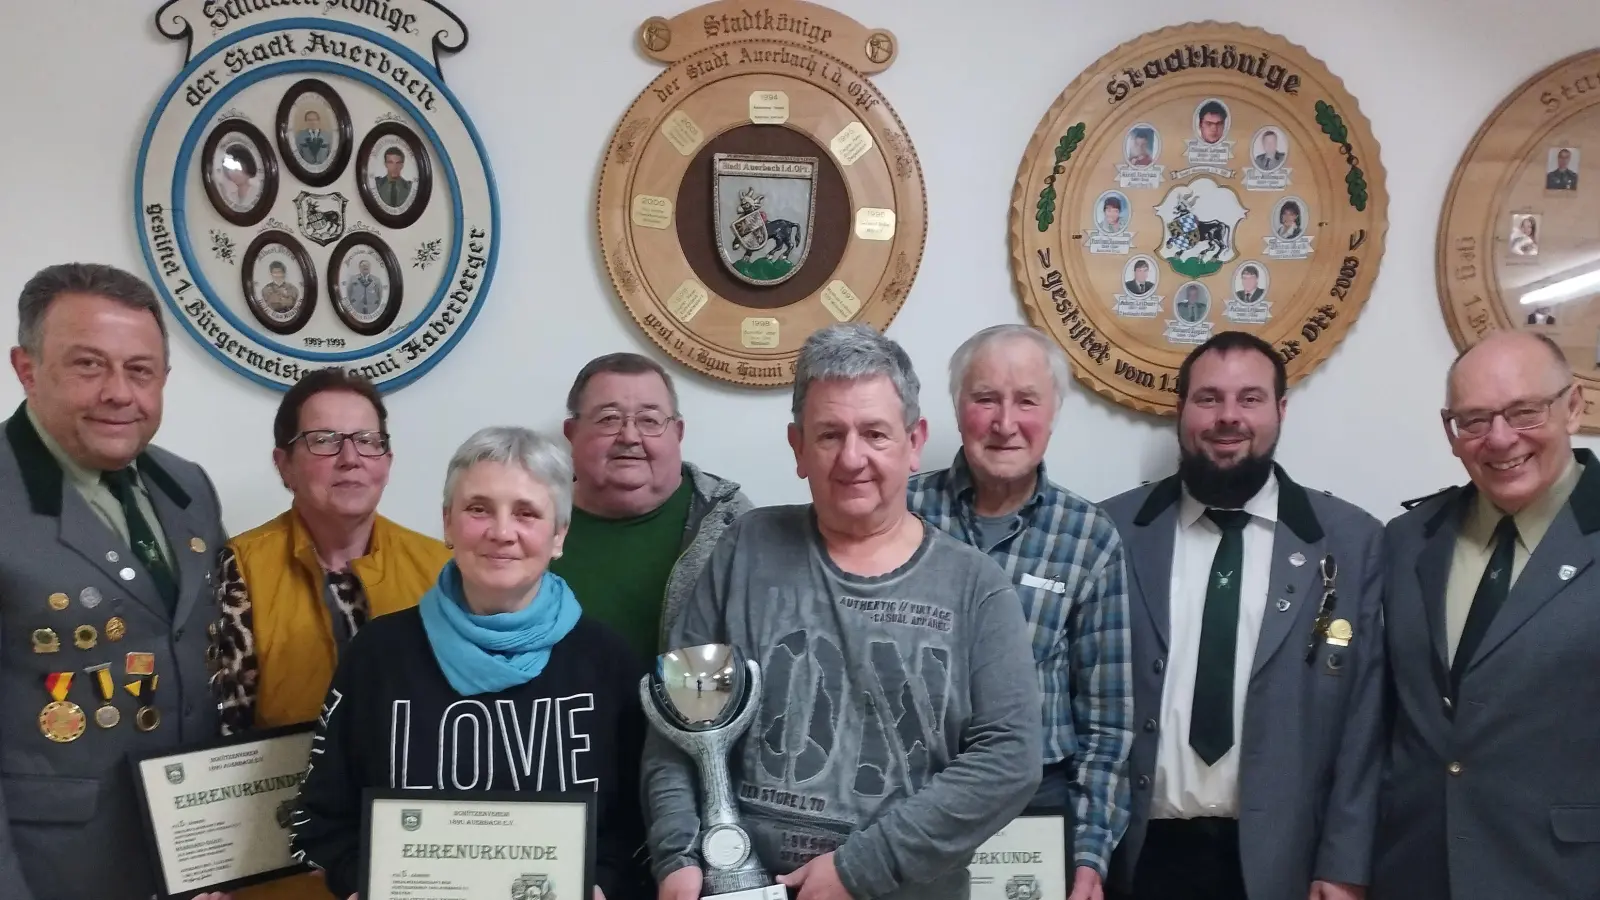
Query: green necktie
[
  {"x": 1211, "y": 716},
  {"x": 1493, "y": 588},
  {"x": 142, "y": 535}
]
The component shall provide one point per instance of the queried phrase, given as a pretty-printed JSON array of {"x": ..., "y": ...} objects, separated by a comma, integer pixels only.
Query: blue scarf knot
[{"x": 487, "y": 654}]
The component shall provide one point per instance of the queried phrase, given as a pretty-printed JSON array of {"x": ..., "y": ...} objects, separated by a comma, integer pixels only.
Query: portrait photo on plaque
[
  {"x": 365, "y": 283},
  {"x": 1193, "y": 303},
  {"x": 279, "y": 281},
  {"x": 1289, "y": 218},
  {"x": 314, "y": 132},
  {"x": 1561, "y": 173},
  {"x": 1269, "y": 148},
  {"x": 1212, "y": 121},
  {"x": 1143, "y": 145},
  {"x": 1139, "y": 277},
  {"x": 1250, "y": 282},
  {"x": 240, "y": 172},
  {"x": 1111, "y": 212},
  {"x": 1524, "y": 236},
  {"x": 394, "y": 174}
]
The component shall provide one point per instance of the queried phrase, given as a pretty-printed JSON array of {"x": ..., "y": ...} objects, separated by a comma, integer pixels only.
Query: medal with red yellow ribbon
[{"x": 61, "y": 720}]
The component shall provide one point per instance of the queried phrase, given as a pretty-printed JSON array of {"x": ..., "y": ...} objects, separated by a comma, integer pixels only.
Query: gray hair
[
  {"x": 617, "y": 364},
  {"x": 961, "y": 360},
  {"x": 851, "y": 352},
  {"x": 99, "y": 280},
  {"x": 548, "y": 461}
]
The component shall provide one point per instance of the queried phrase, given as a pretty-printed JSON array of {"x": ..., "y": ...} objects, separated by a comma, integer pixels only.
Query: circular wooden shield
[
  {"x": 756, "y": 191},
  {"x": 1520, "y": 227},
  {"x": 1202, "y": 178}
]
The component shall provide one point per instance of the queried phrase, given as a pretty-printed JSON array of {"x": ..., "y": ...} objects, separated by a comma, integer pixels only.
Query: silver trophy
[{"x": 703, "y": 699}]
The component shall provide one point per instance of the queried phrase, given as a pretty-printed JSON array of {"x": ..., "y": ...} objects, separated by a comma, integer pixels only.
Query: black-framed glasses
[
  {"x": 651, "y": 423},
  {"x": 1521, "y": 416},
  {"x": 330, "y": 443},
  {"x": 1330, "y": 599}
]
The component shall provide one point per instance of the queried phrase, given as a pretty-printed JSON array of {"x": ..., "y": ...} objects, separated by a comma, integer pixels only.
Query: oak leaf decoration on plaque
[{"x": 1200, "y": 178}]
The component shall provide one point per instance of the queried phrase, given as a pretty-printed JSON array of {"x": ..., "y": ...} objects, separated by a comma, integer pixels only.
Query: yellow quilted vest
[{"x": 294, "y": 642}]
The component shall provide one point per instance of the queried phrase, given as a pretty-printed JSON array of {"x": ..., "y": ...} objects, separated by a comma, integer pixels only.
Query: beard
[{"x": 1226, "y": 487}]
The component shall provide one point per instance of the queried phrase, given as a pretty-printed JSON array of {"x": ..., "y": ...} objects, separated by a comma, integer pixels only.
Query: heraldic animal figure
[
  {"x": 1186, "y": 230},
  {"x": 783, "y": 234}
]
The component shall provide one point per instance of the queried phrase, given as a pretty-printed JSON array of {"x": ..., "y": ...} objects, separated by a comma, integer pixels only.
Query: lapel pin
[
  {"x": 1297, "y": 559},
  {"x": 1567, "y": 572},
  {"x": 1283, "y": 605},
  {"x": 59, "y": 600},
  {"x": 111, "y": 556},
  {"x": 90, "y": 597},
  {"x": 126, "y": 573},
  {"x": 197, "y": 545}
]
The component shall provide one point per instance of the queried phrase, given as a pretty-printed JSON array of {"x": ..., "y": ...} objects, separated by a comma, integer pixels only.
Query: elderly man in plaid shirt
[{"x": 1065, "y": 557}]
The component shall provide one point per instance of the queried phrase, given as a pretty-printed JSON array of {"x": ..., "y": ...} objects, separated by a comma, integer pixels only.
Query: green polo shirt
[{"x": 619, "y": 568}]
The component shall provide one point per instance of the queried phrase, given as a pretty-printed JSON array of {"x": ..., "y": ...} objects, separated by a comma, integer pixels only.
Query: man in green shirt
[{"x": 644, "y": 521}]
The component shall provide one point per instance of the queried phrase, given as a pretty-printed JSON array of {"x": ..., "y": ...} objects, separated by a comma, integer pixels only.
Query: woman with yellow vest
[{"x": 294, "y": 590}]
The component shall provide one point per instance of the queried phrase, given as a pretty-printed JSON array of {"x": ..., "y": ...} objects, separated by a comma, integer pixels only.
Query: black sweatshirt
[{"x": 587, "y": 695}]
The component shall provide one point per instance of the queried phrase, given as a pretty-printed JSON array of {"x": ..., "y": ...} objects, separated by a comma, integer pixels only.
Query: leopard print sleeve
[{"x": 233, "y": 649}]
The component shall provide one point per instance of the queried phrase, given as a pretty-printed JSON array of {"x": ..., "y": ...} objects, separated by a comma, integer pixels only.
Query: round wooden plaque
[
  {"x": 1520, "y": 232},
  {"x": 1201, "y": 178},
  {"x": 760, "y": 188}
]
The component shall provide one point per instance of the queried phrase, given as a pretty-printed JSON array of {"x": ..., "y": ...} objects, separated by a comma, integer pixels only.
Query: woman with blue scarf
[{"x": 495, "y": 681}]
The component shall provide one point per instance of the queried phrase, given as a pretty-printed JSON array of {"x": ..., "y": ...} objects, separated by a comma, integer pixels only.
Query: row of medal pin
[{"x": 64, "y": 721}]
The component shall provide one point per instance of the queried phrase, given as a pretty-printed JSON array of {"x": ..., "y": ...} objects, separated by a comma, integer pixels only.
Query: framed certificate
[
  {"x": 1026, "y": 860},
  {"x": 217, "y": 814},
  {"x": 528, "y": 846}
]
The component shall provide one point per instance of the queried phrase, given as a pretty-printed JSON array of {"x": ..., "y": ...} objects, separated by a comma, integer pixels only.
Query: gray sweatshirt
[{"x": 900, "y": 719}]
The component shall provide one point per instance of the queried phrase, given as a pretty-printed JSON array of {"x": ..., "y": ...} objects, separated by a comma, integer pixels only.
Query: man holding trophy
[{"x": 869, "y": 675}]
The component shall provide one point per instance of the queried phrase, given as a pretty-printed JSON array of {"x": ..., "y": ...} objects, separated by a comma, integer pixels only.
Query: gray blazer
[
  {"x": 1311, "y": 736},
  {"x": 1494, "y": 792},
  {"x": 69, "y": 823}
]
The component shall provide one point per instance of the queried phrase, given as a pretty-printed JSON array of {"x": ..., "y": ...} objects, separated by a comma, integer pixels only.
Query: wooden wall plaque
[
  {"x": 760, "y": 188},
  {"x": 1200, "y": 178},
  {"x": 1519, "y": 237}
]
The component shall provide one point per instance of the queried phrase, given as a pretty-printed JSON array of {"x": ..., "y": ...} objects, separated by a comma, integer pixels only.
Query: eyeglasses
[
  {"x": 1521, "y": 415},
  {"x": 649, "y": 422},
  {"x": 331, "y": 443}
]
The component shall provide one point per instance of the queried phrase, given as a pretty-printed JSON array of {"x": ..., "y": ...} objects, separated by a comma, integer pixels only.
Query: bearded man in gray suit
[
  {"x": 1492, "y": 787},
  {"x": 1257, "y": 657},
  {"x": 109, "y": 548}
]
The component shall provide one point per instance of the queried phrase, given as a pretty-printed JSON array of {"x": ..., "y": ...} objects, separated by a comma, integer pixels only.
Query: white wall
[{"x": 545, "y": 83}]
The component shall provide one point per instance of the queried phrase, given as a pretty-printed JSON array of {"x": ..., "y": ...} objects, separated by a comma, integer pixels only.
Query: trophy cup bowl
[{"x": 703, "y": 699}]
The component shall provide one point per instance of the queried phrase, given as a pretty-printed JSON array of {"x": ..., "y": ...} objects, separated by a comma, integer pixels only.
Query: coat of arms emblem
[
  {"x": 1201, "y": 219},
  {"x": 321, "y": 216},
  {"x": 411, "y": 819},
  {"x": 1022, "y": 887},
  {"x": 284, "y": 815},
  {"x": 532, "y": 887},
  {"x": 764, "y": 208},
  {"x": 175, "y": 773}
]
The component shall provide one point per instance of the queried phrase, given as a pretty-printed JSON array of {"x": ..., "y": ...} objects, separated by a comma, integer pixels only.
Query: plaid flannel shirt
[{"x": 1067, "y": 564}]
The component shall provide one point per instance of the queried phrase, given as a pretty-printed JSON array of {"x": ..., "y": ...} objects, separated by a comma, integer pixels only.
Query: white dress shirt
[{"x": 1185, "y": 786}]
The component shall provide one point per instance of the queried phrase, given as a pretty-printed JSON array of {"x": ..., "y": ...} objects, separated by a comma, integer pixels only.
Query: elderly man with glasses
[
  {"x": 295, "y": 590},
  {"x": 637, "y": 501},
  {"x": 1493, "y": 623}
]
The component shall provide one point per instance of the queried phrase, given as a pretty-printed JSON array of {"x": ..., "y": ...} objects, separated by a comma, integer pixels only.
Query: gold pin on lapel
[
  {"x": 197, "y": 545},
  {"x": 59, "y": 600},
  {"x": 1340, "y": 633},
  {"x": 45, "y": 640}
]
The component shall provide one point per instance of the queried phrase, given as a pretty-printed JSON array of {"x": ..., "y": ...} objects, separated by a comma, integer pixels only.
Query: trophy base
[{"x": 770, "y": 892}]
